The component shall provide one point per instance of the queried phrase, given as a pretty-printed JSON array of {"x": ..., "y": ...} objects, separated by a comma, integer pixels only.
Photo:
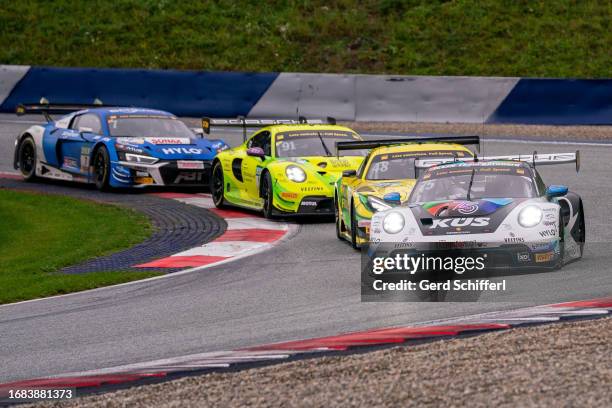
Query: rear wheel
[
  {"x": 581, "y": 233},
  {"x": 354, "y": 243},
  {"x": 267, "y": 194},
  {"x": 217, "y": 187},
  {"x": 27, "y": 158},
  {"x": 101, "y": 169}
]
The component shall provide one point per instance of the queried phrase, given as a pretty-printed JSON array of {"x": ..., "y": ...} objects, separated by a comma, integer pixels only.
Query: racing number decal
[{"x": 286, "y": 146}]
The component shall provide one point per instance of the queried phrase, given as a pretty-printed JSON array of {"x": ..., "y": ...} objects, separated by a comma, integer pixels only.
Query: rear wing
[
  {"x": 46, "y": 109},
  {"x": 535, "y": 159},
  {"x": 371, "y": 144},
  {"x": 244, "y": 123}
]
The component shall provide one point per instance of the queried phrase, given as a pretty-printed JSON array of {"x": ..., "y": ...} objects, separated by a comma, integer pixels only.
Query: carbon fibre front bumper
[
  {"x": 163, "y": 173},
  {"x": 311, "y": 205}
]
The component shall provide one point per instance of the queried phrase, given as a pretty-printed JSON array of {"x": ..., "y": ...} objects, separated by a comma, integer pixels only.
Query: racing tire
[
  {"x": 338, "y": 220},
  {"x": 26, "y": 157},
  {"x": 267, "y": 194},
  {"x": 354, "y": 243},
  {"x": 560, "y": 263},
  {"x": 217, "y": 186},
  {"x": 101, "y": 169},
  {"x": 582, "y": 230}
]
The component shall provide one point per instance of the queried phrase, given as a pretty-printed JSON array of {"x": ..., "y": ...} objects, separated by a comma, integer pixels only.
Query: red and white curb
[
  {"x": 285, "y": 351},
  {"x": 246, "y": 234},
  {"x": 12, "y": 176}
]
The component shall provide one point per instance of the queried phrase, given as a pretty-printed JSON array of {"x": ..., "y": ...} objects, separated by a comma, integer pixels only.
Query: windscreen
[
  {"x": 470, "y": 182},
  {"x": 147, "y": 126},
  {"x": 298, "y": 143},
  {"x": 400, "y": 165}
]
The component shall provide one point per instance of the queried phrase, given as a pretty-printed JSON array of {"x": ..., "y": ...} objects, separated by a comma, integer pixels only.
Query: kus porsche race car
[
  {"x": 285, "y": 168},
  {"x": 386, "y": 177},
  {"x": 114, "y": 147},
  {"x": 497, "y": 207}
]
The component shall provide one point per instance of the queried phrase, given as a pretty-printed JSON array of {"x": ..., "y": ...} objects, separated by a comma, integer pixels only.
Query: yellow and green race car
[
  {"x": 385, "y": 178},
  {"x": 285, "y": 168}
]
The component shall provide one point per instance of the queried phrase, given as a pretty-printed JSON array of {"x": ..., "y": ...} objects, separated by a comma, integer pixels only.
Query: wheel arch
[{"x": 19, "y": 141}]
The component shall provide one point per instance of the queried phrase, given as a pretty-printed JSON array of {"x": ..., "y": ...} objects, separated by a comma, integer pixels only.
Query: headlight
[
  {"x": 294, "y": 173},
  {"x": 140, "y": 159},
  {"x": 393, "y": 222},
  {"x": 530, "y": 216},
  {"x": 378, "y": 204}
]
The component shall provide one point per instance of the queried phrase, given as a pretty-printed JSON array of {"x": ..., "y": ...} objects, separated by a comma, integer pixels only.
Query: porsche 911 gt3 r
[
  {"x": 286, "y": 168},
  {"x": 500, "y": 208},
  {"x": 114, "y": 147},
  {"x": 386, "y": 177}
]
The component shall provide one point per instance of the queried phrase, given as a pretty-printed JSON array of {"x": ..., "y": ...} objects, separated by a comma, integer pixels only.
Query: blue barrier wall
[
  {"x": 346, "y": 97},
  {"x": 184, "y": 93},
  {"x": 557, "y": 102}
]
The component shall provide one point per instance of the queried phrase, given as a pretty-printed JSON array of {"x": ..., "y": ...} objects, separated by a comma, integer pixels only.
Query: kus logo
[
  {"x": 181, "y": 150},
  {"x": 460, "y": 222}
]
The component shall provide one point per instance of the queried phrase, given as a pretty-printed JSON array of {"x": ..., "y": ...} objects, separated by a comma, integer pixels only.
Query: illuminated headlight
[
  {"x": 140, "y": 159},
  {"x": 393, "y": 222},
  {"x": 294, "y": 173},
  {"x": 378, "y": 204},
  {"x": 530, "y": 216}
]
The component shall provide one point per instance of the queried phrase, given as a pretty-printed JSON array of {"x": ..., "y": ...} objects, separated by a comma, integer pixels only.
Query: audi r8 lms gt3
[
  {"x": 497, "y": 208},
  {"x": 385, "y": 178},
  {"x": 114, "y": 147},
  {"x": 283, "y": 169}
]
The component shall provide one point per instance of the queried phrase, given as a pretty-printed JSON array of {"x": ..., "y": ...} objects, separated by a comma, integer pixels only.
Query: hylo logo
[{"x": 181, "y": 150}]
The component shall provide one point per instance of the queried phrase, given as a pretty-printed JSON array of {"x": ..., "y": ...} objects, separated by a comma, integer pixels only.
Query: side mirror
[
  {"x": 393, "y": 198},
  {"x": 349, "y": 173},
  {"x": 556, "y": 191},
  {"x": 198, "y": 132},
  {"x": 83, "y": 130},
  {"x": 256, "y": 152}
]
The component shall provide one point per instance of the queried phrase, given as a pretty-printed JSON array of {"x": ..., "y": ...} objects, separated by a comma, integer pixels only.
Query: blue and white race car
[
  {"x": 498, "y": 207},
  {"x": 114, "y": 147}
]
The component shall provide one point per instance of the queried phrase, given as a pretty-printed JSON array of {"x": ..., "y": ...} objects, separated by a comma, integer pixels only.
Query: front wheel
[
  {"x": 27, "y": 158},
  {"x": 354, "y": 235},
  {"x": 267, "y": 194},
  {"x": 561, "y": 243},
  {"x": 217, "y": 187},
  {"x": 101, "y": 169},
  {"x": 337, "y": 215}
]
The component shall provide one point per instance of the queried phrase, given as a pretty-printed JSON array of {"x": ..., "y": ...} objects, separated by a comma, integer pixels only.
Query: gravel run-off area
[{"x": 564, "y": 364}]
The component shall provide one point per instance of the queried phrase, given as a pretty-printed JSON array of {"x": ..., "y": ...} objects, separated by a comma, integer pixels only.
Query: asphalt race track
[{"x": 307, "y": 286}]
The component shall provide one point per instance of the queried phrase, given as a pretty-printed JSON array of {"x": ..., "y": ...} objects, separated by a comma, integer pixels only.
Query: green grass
[
  {"x": 40, "y": 234},
  {"x": 555, "y": 38}
]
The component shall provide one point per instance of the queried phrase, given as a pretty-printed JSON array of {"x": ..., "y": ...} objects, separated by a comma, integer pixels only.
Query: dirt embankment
[{"x": 567, "y": 364}]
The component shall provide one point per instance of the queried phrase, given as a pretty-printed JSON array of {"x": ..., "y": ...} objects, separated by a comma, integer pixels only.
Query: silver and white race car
[{"x": 498, "y": 206}]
